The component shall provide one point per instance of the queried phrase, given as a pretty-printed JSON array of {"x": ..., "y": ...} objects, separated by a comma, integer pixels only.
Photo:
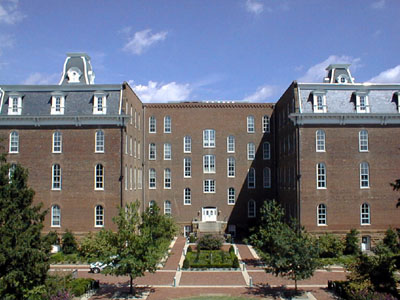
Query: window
[
  {"x": 152, "y": 151},
  {"x": 265, "y": 124},
  {"x": 135, "y": 117},
  {"x": 99, "y": 141},
  {"x": 99, "y": 216},
  {"x": 135, "y": 178},
  {"x": 57, "y": 142},
  {"x": 321, "y": 176},
  {"x": 362, "y": 105},
  {"x": 132, "y": 115},
  {"x": 140, "y": 179},
  {"x": 152, "y": 203},
  {"x": 167, "y": 178},
  {"x": 187, "y": 165},
  {"x": 99, "y": 177},
  {"x": 250, "y": 124},
  {"x": 209, "y": 164},
  {"x": 126, "y": 178},
  {"x": 251, "y": 178},
  {"x": 267, "y": 177},
  {"x": 56, "y": 182},
  {"x": 14, "y": 142},
  {"x": 231, "y": 196},
  {"x": 15, "y": 105},
  {"x": 152, "y": 124},
  {"x": 130, "y": 146},
  {"x": 167, "y": 124},
  {"x": 266, "y": 150},
  {"x": 209, "y": 186},
  {"x": 251, "y": 151},
  {"x": 167, "y": 208},
  {"x": 230, "y": 144},
  {"x": 138, "y": 150},
  {"x": 209, "y": 138},
  {"x": 319, "y": 104},
  {"x": 187, "y": 196},
  {"x": 131, "y": 178},
  {"x": 152, "y": 179},
  {"x": 57, "y": 104},
  {"x": 321, "y": 215},
  {"x": 365, "y": 214},
  {"x": 320, "y": 141},
  {"x": 231, "y": 166},
  {"x": 364, "y": 175},
  {"x": 126, "y": 144},
  {"x": 251, "y": 208},
  {"x": 187, "y": 144},
  {"x": 363, "y": 141},
  {"x": 55, "y": 216},
  {"x": 11, "y": 171},
  {"x": 100, "y": 101},
  {"x": 167, "y": 151}
]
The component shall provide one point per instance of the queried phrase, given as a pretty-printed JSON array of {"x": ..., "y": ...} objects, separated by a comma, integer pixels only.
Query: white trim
[
  {"x": 359, "y": 141},
  {"x": 325, "y": 214},
  {"x": 184, "y": 167},
  {"x": 227, "y": 144},
  {"x": 369, "y": 214},
  {"x": 52, "y": 178},
  {"x": 254, "y": 213},
  {"x": 325, "y": 176},
  {"x": 95, "y": 216},
  {"x": 52, "y": 216},
  {"x": 64, "y": 70},
  {"x": 184, "y": 196},
  {"x": 85, "y": 69},
  {"x": 211, "y": 183},
  {"x": 234, "y": 195},
  {"x": 227, "y": 167},
  {"x": 155, "y": 179},
  {"x": 316, "y": 140},
  {"x": 53, "y": 142},
  {"x": 102, "y": 176},
  {"x": 368, "y": 177}
]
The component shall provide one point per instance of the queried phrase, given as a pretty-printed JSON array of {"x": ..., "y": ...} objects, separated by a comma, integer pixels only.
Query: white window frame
[
  {"x": 130, "y": 146},
  {"x": 321, "y": 176},
  {"x": 167, "y": 124},
  {"x": 55, "y": 216},
  {"x": 231, "y": 196},
  {"x": 363, "y": 141},
  {"x": 57, "y": 104},
  {"x": 362, "y": 103},
  {"x": 251, "y": 209},
  {"x": 250, "y": 124},
  {"x": 130, "y": 178},
  {"x": 266, "y": 151},
  {"x": 167, "y": 179},
  {"x": 167, "y": 151},
  {"x": 251, "y": 178},
  {"x": 319, "y": 104},
  {"x": 187, "y": 144},
  {"x": 187, "y": 167},
  {"x": 99, "y": 177},
  {"x": 100, "y": 103},
  {"x": 167, "y": 208},
  {"x": 209, "y": 164},
  {"x": 57, "y": 142},
  {"x": 320, "y": 141},
  {"x": 15, "y": 105},
  {"x": 209, "y": 186},
  {"x": 99, "y": 216},
  {"x": 152, "y": 178},
  {"x": 266, "y": 124},
  {"x": 322, "y": 215},
  {"x": 152, "y": 151},
  {"x": 251, "y": 151},
  {"x": 187, "y": 196},
  {"x": 99, "y": 141},
  {"x": 152, "y": 124},
  {"x": 209, "y": 137},
  {"x": 126, "y": 178},
  {"x": 14, "y": 142},
  {"x": 231, "y": 167},
  {"x": 267, "y": 178},
  {"x": 56, "y": 177},
  {"x": 365, "y": 214},
  {"x": 140, "y": 179},
  {"x": 364, "y": 175},
  {"x": 230, "y": 144}
]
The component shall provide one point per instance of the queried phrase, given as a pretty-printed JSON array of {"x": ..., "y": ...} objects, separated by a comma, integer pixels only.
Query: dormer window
[
  {"x": 57, "y": 104},
  {"x": 100, "y": 103},
  {"x": 74, "y": 75},
  {"x": 362, "y": 103},
  {"x": 342, "y": 79},
  {"x": 15, "y": 105},
  {"x": 319, "y": 102}
]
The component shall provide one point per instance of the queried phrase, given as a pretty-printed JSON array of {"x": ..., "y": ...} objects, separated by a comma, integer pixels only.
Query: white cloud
[
  {"x": 254, "y": 6},
  {"x": 9, "y": 13},
  {"x": 389, "y": 76},
  {"x": 317, "y": 72},
  {"x": 160, "y": 92},
  {"x": 40, "y": 78},
  {"x": 142, "y": 40},
  {"x": 378, "y": 4},
  {"x": 261, "y": 94}
]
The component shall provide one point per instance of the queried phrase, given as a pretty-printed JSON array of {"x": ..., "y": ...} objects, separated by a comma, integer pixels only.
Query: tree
[
  {"x": 24, "y": 254},
  {"x": 288, "y": 251},
  {"x": 351, "y": 243},
  {"x": 390, "y": 240},
  {"x": 396, "y": 187},
  {"x": 69, "y": 244},
  {"x": 140, "y": 242}
]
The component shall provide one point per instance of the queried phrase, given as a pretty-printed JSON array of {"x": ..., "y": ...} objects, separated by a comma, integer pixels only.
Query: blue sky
[{"x": 201, "y": 50}]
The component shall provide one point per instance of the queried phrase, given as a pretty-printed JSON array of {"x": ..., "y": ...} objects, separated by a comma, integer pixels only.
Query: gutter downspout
[{"x": 144, "y": 181}]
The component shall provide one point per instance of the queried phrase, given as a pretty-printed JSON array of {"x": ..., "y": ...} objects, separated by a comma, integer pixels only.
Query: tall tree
[{"x": 23, "y": 254}]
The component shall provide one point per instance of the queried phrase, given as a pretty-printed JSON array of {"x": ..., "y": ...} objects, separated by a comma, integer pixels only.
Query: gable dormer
[
  {"x": 339, "y": 73},
  {"x": 77, "y": 69},
  {"x": 14, "y": 104}
]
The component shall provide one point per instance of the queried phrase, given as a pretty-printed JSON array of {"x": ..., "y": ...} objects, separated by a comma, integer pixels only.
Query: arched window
[
  {"x": 363, "y": 141},
  {"x": 152, "y": 151},
  {"x": 99, "y": 177},
  {"x": 152, "y": 124},
  {"x": 364, "y": 175},
  {"x": 251, "y": 151},
  {"x": 14, "y": 142},
  {"x": 267, "y": 177},
  {"x": 365, "y": 214},
  {"x": 320, "y": 141},
  {"x": 152, "y": 179},
  {"x": 321, "y": 176},
  {"x": 231, "y": 196},
  {"x": 250, "y": 124},
  {"x": 266, "y": 150},
  {"x": 167, "y": 207},
  {"x": 57, "y": 142},
  {"x": 265, "y": 124},
  {"x": 321, "y": 215},
  {"x": 167, "y": 178},
  {"x": 187, "y": 144},
  {"x": 55, "y": 216},
  {"x": 230, "y": 144},
  {"x": 187, "y": 196},
  {"x": 251, "y": 178},
  {"x": 231, "y": 166},
  {"x": 99, "y": 141},
  {"x": 152, "y": 203},
  {"x": 251, "y": 208},
  {"x": 167, "y": 124},
  {"x": 99, "y": 216},
  {"x": 56, "y": 182}
]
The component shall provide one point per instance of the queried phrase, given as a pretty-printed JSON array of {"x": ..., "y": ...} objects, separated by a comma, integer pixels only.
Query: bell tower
[{"x": 77, "y": 69}]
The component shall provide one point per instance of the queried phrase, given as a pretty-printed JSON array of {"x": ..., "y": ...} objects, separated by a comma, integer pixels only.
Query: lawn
[{"x": 211, "y": 259}]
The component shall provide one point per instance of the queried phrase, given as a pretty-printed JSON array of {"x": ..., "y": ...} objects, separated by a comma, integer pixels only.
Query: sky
[{"x": 196, "y": 50}]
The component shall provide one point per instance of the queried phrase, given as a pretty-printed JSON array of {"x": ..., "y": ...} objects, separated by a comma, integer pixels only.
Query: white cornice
[{"x": 345, "y": 119}]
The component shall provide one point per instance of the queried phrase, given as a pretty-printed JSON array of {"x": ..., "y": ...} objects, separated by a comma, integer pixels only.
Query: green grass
[
  {"x": 341, "y": 260},
  {"x": 210, "y": 258}
]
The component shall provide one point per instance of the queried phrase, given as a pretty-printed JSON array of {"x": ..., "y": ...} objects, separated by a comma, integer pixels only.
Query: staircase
[{"x": 214, "y": 228}]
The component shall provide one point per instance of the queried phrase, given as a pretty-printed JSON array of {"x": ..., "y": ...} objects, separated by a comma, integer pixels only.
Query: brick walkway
[{"x": 194, "y": 283}]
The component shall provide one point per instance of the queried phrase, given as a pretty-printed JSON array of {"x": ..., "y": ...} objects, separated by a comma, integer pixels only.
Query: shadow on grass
[
  {"x": 107, "y": 291},
  {"x": 275, "y": 292}
]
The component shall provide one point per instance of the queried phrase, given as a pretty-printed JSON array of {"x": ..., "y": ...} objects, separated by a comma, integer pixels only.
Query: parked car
[{"x": 99, "y": 266}]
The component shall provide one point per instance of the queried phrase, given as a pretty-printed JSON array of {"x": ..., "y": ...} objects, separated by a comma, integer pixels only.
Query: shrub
[
  {"x": 209, "y": 242},
  {"x": 390, "y": 240},
  {"x": 235, "y": 263},
  {"x": 231, "y": 249},
  {"x": 228, "y": 238},
  {"x": 189, "y": 249},
  {"x": 351, "y": 243},
  {"x": 80, "y": 285},
  {"x": 186, "y": 264},
  {"x": 192, "y": 239},
  {"x": 52, "y": 238},
  {"x": 93, "y": 245},
  {"x": 330, "y": 245},
  {"x": 69, "y": 244}
]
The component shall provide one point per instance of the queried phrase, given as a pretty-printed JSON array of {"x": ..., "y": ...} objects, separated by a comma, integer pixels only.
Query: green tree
[
  {"x": 390, "y": 240},
  {"x": 396, "y": 187},
  {"x": 140, "y": 242},
  {"x": 69, "y": 244},
  {"x": 351, "y": 243},
  {"x": 97, "y": 246},
  {"x": 24, "y": 254},
  {"x": 330, "y": 245},
  {"x": 288, "y": 251}
]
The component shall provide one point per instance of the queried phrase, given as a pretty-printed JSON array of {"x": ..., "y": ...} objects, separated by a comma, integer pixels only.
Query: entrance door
[
  {"x": 187, "y": 230},
  {"x": 209, "y": 214},
  {"x": 365, "y": 243}
]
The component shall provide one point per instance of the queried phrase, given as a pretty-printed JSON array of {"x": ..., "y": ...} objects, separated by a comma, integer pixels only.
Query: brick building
[{"x": 326, "y": 151}]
